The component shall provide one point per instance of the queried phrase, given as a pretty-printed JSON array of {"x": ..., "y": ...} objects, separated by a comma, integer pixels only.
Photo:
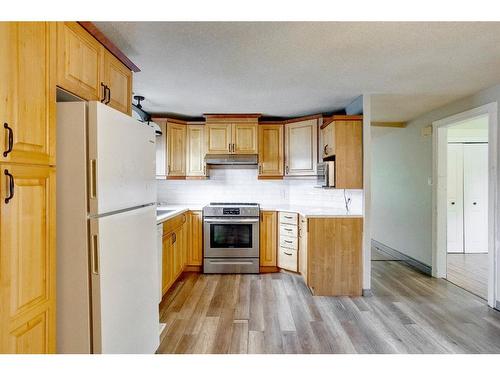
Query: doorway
[
  {"x": 467, "y": 205},
  {"x": 465, "y": 210}
]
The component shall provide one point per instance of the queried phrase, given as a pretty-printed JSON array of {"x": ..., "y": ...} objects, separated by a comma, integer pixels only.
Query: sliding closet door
[
  {"x": 455, "y": 228},
  {"x": 476, "y": 197}
]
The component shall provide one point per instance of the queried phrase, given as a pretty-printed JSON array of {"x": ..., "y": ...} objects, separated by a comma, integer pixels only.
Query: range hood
[{"x": 231, "y": 159}]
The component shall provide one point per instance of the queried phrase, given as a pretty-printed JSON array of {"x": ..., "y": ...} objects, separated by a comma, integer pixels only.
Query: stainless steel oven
[{"x": 231, "y": 238}]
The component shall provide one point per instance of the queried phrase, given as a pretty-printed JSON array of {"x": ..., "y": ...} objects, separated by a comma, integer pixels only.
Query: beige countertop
[{"x": 173, "y": 210}]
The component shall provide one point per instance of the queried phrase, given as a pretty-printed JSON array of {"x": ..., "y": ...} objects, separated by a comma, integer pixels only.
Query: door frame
[{"x": 439, "y": 194}]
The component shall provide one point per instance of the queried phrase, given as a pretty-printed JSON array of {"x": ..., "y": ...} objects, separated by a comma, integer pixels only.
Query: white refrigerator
[{"x": 107, "y": 267}]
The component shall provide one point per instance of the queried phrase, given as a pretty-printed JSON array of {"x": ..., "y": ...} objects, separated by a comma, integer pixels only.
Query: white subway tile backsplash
[{"x": 242, "y": 185}]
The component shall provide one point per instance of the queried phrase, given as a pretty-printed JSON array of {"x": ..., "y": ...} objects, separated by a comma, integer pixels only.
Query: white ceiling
[{"x": 297, "y": 68}]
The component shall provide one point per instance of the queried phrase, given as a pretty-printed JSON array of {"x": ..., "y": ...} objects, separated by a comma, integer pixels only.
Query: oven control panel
[{"x": 230, "y": 211}]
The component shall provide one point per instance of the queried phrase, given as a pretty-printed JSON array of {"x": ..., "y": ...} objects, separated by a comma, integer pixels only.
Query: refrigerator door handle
[
  {"x": 95, "y": 255},
  {"x": 93, "y": 178}
]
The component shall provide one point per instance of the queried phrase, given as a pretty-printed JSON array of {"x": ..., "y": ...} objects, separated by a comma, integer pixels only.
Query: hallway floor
[
  {"x": 469, "y": 271},
  {"x": 275, "y": 313}
]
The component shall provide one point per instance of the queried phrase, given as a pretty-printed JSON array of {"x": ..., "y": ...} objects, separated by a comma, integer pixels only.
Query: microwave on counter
[{"x": 326, "y": 174}]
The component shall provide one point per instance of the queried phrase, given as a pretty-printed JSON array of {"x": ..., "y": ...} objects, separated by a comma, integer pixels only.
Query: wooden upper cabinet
[
  {"x": 79, "y": 60},
  {"x": 271, "y": 162},
  {"x": 27, "y": 266},
  {"x": 195, "y": 151},
  {"x": 301, "y": 148},
  {"x": 176, "y": 150},
  {"x": 244, "y": 138},
  {"x": 27, "y": 93},
  {"x": 349, "y": 154},
  {"x": 231, "y": 138},
  {"x": 218, "y": 138},
  {"x": 328, "y": 138},
  {"x": 268, "y": 238},
  {"x": 118, "y": 78}
]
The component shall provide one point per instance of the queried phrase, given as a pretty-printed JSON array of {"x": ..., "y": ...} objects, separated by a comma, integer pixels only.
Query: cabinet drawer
[
  {"x": 288, "y": 218},
  {"x": 172, "y": 224},
  {"x": 289, "y": 242},
  {"x": 288, "y": 230},
  {"x": 287, "y": 259}
]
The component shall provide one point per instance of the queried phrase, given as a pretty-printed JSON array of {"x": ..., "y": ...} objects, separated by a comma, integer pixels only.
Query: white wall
[
  {"x": 242, "y": 185},
  {"x": 401, "y": 168}
]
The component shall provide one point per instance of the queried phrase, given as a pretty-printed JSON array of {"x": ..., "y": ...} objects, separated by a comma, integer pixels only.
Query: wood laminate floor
[
  {"x": 469, "y": 271},
  {"x": 275, "y": 313}
]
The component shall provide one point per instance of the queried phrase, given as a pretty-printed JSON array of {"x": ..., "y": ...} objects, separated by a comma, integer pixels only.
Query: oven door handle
[{"x": 232, "y": 221}]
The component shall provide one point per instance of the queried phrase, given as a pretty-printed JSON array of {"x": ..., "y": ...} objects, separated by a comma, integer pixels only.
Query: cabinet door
[
  {"x": 161, "y": 151},
  {"x": 119, "y": 80},
  {"x": 195, "y": 256},
  {"x": 176, "y": 150},
  {"x": 195, "y": 153},
  {"x": 27, "y": 93},
  {"x": 218, "y": 138},
  {"x": 303, "y": 247},
  {"x": 244, "y": 138},
  {"x": 177, "y": 252},
  {"x": 268, "y": 238},
  {"x": 334, "y": 256},
  {"x": 349, "y": 154},
  {"x": 27, "y": 259},
  {"x": 271, "y": 161},
  {"x": 328, "y": 139},
  {"x": 167, "y": 263},
  {"x": 301, "y": 148},
  {"x": 78, "y": 61}
]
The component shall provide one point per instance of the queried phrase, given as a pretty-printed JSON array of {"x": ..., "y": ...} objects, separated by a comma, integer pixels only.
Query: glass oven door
[{"x": 225, "y": 237}]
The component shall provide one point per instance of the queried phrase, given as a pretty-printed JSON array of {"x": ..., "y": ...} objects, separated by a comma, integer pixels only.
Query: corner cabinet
[
  {"x": 27, "y": 259},
  {"x": 271, "y": 157},
  {"x": 342, "y": 141},
  {"x": 301, "y": 148}
]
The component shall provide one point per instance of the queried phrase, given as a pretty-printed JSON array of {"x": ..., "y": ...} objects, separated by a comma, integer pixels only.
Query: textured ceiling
[{"x": 297, "y": 68}]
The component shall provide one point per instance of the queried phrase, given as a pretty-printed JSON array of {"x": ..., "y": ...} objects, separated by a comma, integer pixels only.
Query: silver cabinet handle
[
  {"x": 288, "y": 241},
  {"x": 287, "y": 229},
  {"x": 284, "y": 252},
  {"x": 324, "y": 149},
  {"x": 286, "y": 169},
  {"x": 288, "y": 217}
]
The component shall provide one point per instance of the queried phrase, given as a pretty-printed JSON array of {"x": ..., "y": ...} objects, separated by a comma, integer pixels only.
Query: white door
[
  {"x": 476, "y": 198},
  {"x": 125, "y": 282},
  {"x": 455, "y": 220},
  {"x": 121, "y": 161},
  {"x": 301, "y": 148}
]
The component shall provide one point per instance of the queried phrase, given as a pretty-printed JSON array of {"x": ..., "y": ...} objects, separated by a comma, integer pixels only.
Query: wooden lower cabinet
[
  {"x": 167, "y": 262},
  {"x": 27, "y": 259},
  {"x": 334, "y": 247},
  {"x": 177, "y": 246},
  {"x": 268, "y": 238},
  {"x": 195, "y": 239},
  {"x": 303, "y": 247}
]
